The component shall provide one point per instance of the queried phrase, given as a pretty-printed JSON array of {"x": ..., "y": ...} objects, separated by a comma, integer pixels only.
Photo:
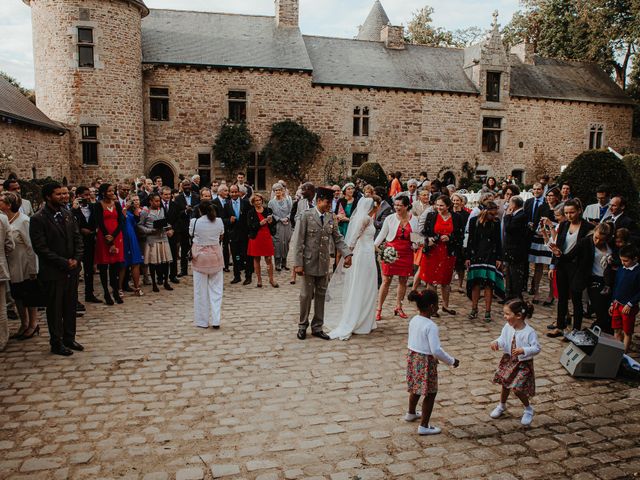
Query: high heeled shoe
[
  {"x": 378, "y": 315},
  {"x": 107, "y": 299},
  {"x": 18, "y": 334},
  {"x": 24, "y": 336},
  {"x": 400, "y": 313},
  {"x": 117, "y": 297},
  {"x": 274, "y": 284}
]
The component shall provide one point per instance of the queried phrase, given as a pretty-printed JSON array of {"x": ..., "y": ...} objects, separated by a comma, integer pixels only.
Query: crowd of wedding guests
[{"x": 142, "y": 233}]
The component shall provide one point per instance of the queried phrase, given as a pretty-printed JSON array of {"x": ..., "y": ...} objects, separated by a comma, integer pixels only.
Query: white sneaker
[
  {"x": 527, "y": 416},
  {"x": 430, "y": 430},
  {"x": 412, "y": 417},
  {"x": 497, "y": 412}
]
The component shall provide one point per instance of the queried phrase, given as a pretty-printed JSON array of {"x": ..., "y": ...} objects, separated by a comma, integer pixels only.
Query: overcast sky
[{"x": 339, "y": 18}]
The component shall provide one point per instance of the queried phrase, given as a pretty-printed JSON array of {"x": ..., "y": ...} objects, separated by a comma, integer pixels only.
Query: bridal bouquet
[{"x": 388, "y": 255}]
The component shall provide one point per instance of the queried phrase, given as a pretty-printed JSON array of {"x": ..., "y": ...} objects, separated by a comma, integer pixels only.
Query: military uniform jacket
[{"x": 314, "y": 242}]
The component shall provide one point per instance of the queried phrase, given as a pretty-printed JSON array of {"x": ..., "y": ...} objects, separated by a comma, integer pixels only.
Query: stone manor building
[{"x": 123, "y": 90}]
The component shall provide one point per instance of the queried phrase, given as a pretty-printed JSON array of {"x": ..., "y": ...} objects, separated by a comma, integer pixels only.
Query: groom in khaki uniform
[{"x": 316, "y": 233}]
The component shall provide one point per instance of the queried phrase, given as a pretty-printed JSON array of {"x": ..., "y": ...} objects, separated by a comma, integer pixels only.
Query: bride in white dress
[{"x": 351, "y": 296}]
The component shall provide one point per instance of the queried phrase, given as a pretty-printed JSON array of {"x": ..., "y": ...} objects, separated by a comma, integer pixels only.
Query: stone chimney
[
  {"x": 393, "y": 37},
  {"x": 524, "y": 51},
  {"x": 287, "y": 13}
]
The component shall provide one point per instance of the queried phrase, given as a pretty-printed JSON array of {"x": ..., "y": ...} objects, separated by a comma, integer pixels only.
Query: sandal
[
  {"x": 450, "y": 312},
  {"x": 274, "y": 284},
  {"x": 137, "y": 292},
  {"x": 378, "y": 315},
  {"x": 473, "y": 314},
  {"x": 400, "y": 313},
  {"x": 487, "y": 317}
]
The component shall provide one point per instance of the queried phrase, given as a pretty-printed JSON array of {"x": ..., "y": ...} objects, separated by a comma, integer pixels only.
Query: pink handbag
[{"x": 207, "y": 259}]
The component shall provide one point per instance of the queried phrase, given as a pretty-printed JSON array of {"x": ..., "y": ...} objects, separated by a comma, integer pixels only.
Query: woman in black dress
[{"x": 484, "y": 259}]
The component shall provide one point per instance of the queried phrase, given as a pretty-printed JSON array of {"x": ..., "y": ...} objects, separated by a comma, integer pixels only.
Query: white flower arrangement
[{"x": 389, "y": 255}]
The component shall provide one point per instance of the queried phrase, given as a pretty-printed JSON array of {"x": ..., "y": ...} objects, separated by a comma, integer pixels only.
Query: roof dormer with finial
[{"x": 489, "y": 57}]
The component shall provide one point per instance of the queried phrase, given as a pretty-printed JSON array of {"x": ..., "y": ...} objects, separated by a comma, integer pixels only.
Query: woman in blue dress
[{"x": 132, "y": 253}]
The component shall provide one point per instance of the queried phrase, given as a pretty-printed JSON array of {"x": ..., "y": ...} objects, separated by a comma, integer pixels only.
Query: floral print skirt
[
  {"x": 516, "y": 375},
  {"x": 422, "y": 373}
]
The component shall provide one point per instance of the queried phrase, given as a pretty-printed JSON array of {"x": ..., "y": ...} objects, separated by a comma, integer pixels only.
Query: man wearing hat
[{"x": 315, "y": 231}]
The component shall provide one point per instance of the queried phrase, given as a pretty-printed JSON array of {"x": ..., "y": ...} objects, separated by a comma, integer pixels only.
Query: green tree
[
  {"x": 30, "y": 94},
  {"x": 291, "y": 149},
  {"x": 232, "y": 146},
  {"x": 606, "y": 32},
  {"x": 421, "y": 31}
]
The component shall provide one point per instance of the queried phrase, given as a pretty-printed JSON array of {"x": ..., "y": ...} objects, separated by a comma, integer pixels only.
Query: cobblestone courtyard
[{"x": 155, "y": 398}]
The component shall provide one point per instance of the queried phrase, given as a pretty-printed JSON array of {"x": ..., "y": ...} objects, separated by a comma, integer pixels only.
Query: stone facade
[
  {"x": 109, "y": 95},
  {"x": 409, "y": 131},
  {"x": 35, "y": 153}
]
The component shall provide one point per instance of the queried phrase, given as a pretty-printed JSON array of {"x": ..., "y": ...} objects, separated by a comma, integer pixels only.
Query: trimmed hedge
[
  {"x": 593, "y": 168},
  {"x": 372, "y": 173},
  {"x": 632, "y": 162}
]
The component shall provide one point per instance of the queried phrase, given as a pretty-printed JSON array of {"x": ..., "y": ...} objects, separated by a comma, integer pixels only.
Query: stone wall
[
  {"x": 32, "y": 147},
  {"x": 409, "y": 131},
  {"x": 109, "y": 95}
]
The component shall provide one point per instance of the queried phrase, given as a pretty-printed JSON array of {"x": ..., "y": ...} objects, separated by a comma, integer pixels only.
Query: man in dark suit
[
  {"x": 186, "y": 202},
  {"x": 516, "y": 247},
  {"x": 172, "y": 214},
  {"x": 236, "y": 211},
  {"x": 536, "y": 208},
  {"x": 85, "y": 218},
  {"x": 618, "y": 218},
  {"x": 57, "y": 241},
  {"x": 220, "y": 202}
]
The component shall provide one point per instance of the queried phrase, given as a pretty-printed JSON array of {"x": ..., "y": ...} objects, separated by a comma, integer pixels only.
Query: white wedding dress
[{"x": 351, "y": 296}]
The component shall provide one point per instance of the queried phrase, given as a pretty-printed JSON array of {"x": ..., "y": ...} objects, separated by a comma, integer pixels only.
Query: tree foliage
[
  {"x": 420, "y": 31},
  {"x": 291, "y": 149},
  {"x": 606, "y": 32},
  {"x": 232, "y": 146},
  {"x": 611, "y": 171},
  {"x": 30, "y": 94},
  {"x": 632, "y": 162}
]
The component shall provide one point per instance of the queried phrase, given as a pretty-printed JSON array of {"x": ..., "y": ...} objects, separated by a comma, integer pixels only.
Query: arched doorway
[
  {"x": 163, "y": 171},
  {"x": 449, "y": 179}
]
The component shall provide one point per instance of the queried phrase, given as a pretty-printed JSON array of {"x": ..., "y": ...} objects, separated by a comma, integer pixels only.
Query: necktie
[
  {"x": 322, "y": 219},
  {"x": 535, "y": 209},
  {"x": 59, "y": 218},
  {"x": 236, "y": 208}
]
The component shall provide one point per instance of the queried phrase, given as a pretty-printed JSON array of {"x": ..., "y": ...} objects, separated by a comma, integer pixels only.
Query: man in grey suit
[{"x": 315, "y": 231}]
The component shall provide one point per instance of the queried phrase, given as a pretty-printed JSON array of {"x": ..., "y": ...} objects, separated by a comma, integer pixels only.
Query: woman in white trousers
[{"x": 207, "y": 264}]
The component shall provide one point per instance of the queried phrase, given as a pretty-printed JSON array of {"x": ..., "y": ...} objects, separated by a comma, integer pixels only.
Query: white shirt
[
  {"x": 598, "y": 261},
  {"x": 527, "y": 339},
  {"x": 571, "y": 241},
  {"x": 424, "y": 338},
  {"x": 206, "y": 232}
]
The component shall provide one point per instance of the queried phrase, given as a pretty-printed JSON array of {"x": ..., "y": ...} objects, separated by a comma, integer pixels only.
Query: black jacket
[
  {"x": 55, "y": 243},
  {"x": 516, "y": 237},
  {"x": 172, "y": 214},
  {"x": 586, "y": 251},
  {"x": 484, "y": 244},
  {"x": 342, "y": 202},
  {"x": 221, "y": 210},
  {"x": 563, "y": 229},
  {"x": 98, "y": 212},
  {"x": 454, "y": 245},
  {"x": 543, "y": 211},
  {"x": 184, "y": 216},
  {"x": 83, "y": 223},
  {"x": 253, "y": 222},
  {"x": 237, "y": 230}
]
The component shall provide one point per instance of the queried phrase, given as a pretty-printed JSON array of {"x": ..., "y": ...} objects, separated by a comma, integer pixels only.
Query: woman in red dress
[
  {"x": 109, "y": 253},
  {"x": 443, "y": 232},
  {"x": 396, "y": 232},
  {"x": 261, "y": 230}
]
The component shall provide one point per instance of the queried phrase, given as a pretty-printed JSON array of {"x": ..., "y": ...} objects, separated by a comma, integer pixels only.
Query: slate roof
[
  {"x": 564, "y": 80},
  {"x": 14, "y": 105},
  {"x": 249, "y": 41},
  {"x": 377, "y": 18},
  {"x": 218, "y": 39},
  {"x": 356, "y": 63}
]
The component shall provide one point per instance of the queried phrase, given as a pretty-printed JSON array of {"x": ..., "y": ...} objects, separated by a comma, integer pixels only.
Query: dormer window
[
  {"x": 493, "y": 86},
  {"x": 85, "y": 47}
]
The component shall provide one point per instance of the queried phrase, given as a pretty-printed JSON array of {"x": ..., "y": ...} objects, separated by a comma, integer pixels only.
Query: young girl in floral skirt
[
  {"x": 519, "y": 342},
  {"x": 422, "y": 360}
]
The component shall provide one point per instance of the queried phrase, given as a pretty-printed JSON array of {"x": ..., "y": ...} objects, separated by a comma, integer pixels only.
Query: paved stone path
[{"x": 155, "y": 398}]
